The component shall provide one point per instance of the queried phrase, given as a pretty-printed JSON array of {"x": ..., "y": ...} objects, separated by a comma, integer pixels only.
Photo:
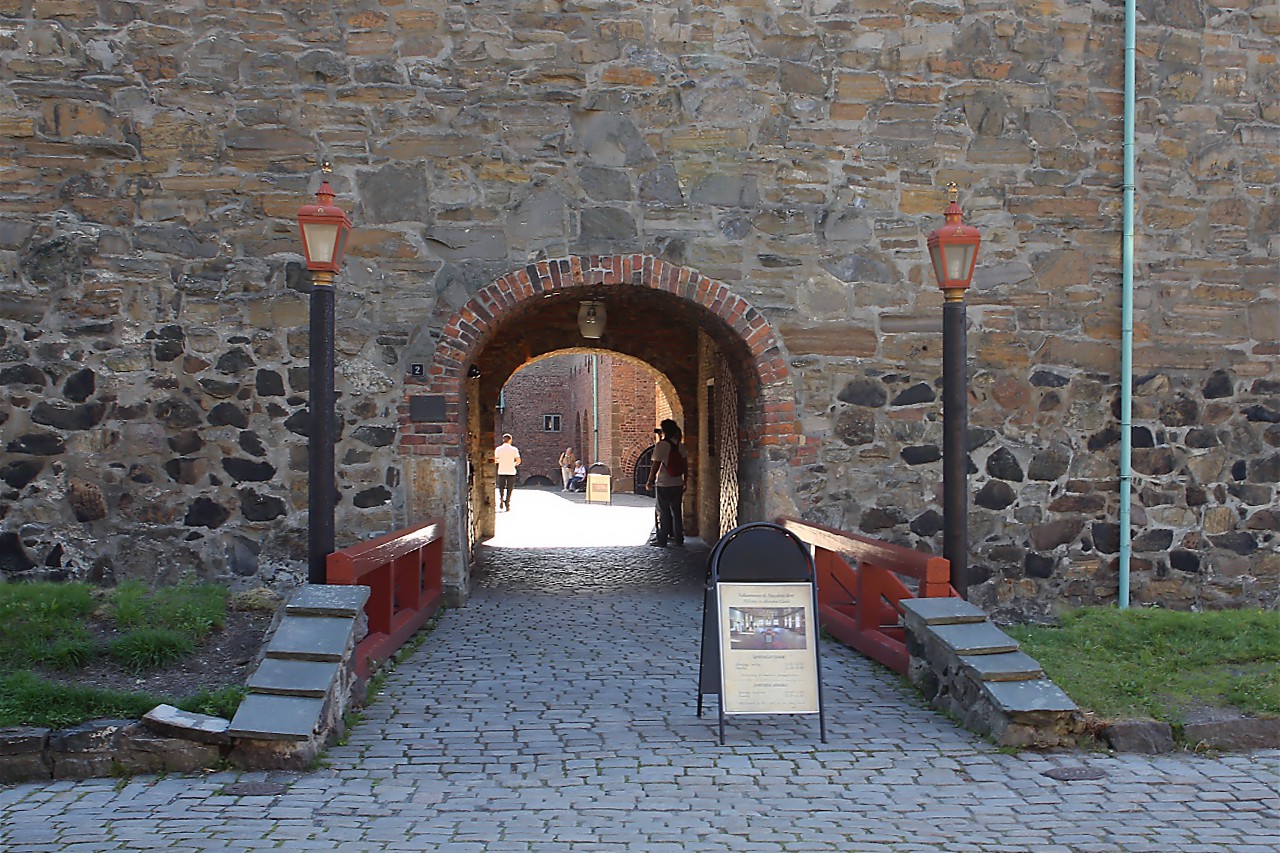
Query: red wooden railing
[
  {"x": 858, "y": 604},
  {"x": 402, "y": 570}
]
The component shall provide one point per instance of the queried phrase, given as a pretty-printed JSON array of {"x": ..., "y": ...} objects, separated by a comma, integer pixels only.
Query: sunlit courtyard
[{"x": 550, "y": 518}]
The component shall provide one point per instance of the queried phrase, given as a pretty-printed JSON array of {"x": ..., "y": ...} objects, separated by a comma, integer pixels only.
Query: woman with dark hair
[{"x": 666, "y": 478}]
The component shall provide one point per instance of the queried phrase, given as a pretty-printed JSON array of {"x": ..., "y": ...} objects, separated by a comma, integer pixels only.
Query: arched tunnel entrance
[{"x": 716, "y": 353}]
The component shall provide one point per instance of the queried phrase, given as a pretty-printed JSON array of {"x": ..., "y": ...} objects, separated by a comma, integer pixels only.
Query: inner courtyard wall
[{"x": 153, "y": 303}]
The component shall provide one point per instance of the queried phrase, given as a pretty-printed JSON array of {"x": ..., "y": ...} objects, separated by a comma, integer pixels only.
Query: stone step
[
  {"x": 943, "y": 611},
  {"x": 266, "y": 717},
  {"x": 1003, "y": 666},
  {"x": 317, "y": 638},
  {"x": 975, "y": 638},
  {"x": 327, "y": 600},
  {"x": 290, "y": 677},
  {"x": 175, "y": 722},
  {"x": 1026, "y": 697}
]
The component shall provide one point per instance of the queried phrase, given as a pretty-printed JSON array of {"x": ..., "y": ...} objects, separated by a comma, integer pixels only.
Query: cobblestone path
[{"x": 556, "y": 712}]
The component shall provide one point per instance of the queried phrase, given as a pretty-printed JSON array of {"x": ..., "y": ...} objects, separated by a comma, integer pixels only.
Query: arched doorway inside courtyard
[
  {"x": 596, "y": 405},
  {"x": 721, "y": 358}
]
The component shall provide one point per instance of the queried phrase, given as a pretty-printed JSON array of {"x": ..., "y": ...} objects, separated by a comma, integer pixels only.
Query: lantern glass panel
[{"x": 321, "y": 239}]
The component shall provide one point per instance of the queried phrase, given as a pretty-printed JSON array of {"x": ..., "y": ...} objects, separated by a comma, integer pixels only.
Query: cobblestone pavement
[{"x": 556, "y": 712}]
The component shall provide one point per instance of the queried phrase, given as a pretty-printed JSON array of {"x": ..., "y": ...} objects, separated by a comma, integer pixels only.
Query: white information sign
[{"x": 768, "y": 648}]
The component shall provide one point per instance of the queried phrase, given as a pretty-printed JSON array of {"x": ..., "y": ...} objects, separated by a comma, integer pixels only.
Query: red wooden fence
[
  {"x": 402, "y": 569},
  {"x": 858, "y": 604}
]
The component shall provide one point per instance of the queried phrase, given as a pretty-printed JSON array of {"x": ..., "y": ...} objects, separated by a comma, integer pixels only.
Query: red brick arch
[{"x": 474, "y": 324}]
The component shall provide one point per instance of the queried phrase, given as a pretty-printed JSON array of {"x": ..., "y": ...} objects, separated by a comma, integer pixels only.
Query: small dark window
[{"x": 551, "y": 423}]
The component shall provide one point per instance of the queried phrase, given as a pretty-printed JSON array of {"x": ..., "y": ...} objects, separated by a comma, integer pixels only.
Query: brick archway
[{"x": 473, "y": 325}]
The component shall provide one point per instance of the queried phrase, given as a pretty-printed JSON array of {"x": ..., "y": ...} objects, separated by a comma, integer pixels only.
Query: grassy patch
[
  {"x": 215, "y": 703},
  {"x": 191, "y": 610},
  {"x": 1161, "y": 664},
  {"x": 28, "y": 700},
  {"x": 150, "y": 648},
  {"x": 46, "y": 627}
]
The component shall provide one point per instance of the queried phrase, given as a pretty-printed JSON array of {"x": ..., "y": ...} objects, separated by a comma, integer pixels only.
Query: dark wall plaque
[{"x": 428, "y": 408}]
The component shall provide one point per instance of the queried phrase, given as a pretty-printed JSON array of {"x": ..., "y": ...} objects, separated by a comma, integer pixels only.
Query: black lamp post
[
  {"x": 954, "y": 251},
  {"x": 324, "y": 228}
]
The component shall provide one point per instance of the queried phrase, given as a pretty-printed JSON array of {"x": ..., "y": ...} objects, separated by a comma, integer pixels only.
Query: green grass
[
  {"x": 150, "y": 648},
  {"x": 215, "y": 703},
  {"x": 28, "y": 700},
  {"x": 1161, "y": 664},
  {"x": 44, "y": 628},
  {"x": 193, "y": 610}
]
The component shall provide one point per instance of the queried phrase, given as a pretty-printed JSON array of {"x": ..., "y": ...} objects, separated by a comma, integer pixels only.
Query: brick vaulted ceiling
[{"x": 653, "y": 326}]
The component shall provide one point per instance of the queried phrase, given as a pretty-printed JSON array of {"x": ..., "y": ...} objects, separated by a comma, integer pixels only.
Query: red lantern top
[
  {"x": 954, "y": 249},
  {"x": 324, "y": 228}
]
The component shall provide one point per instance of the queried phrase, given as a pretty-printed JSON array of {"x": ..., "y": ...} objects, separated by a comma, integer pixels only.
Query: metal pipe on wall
[
  {"x": 1126, "y": 301},
  {"x": 595, "y": 407}
]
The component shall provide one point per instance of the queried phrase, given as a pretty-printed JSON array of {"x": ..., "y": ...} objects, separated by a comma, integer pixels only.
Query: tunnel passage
[{"x": 719, "y": 354}]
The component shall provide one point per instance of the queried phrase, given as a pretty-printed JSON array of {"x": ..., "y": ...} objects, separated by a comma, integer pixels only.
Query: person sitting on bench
[{"x": 578, "y": 482}]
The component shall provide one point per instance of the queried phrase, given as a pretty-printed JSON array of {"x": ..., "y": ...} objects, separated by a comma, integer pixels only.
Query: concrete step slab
[
  {"x": 327, "y": 600},
  {"x": 286, "y": 677},
  {"x": 1024, "y": 697},
  {"x": 321, "y": 638},
  {"x": 1004, "y": 666},
  {"x": 975, "y": 638},
  {"x": 943, "y": 611},
  {"x": 266, "y": 717}
]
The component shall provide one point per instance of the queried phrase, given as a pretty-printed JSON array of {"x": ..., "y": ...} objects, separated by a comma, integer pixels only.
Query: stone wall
[{"x": 153, "y": 306}]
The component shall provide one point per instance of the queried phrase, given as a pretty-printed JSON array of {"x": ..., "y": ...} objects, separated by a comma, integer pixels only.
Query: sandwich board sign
[{"x": 759, "y": 626}]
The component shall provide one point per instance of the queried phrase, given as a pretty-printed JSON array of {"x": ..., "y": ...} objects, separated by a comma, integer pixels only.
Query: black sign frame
[{"x": 757, "y": 552}]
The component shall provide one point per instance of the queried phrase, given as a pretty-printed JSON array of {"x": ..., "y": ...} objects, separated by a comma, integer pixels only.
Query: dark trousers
[
  {"x": 506, "y": 482},
  {"x": 670, "y": 514}
]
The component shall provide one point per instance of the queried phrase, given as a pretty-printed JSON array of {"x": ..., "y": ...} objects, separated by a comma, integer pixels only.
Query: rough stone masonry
[{"x": 153, "y": 303}]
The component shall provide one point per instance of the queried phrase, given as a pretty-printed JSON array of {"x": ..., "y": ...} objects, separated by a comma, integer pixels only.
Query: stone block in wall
[
  {"x": 1150, "y": 737},
  {"x": 273, "y": 754},
  {"x": 87, "y": 750},
  {"x": 142, "y": 751},
  {"x": 1235, "y": 733},
  {"x": 22, "y": 754}
]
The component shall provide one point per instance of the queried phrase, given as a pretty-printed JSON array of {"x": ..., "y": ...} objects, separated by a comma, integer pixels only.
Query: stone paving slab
[{"x": 556, "y": 712}]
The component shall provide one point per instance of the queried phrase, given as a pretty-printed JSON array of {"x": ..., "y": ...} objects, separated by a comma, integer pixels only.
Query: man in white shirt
[{"x": 507, "y": 455}]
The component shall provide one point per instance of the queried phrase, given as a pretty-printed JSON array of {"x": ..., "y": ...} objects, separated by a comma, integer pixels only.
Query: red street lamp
[
  {"x": 954, "y": 250},
  {"x": 324, "y": 228}
]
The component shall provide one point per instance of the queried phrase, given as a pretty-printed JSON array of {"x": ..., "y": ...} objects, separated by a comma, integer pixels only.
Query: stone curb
[{"x": 1221, "y": 734}]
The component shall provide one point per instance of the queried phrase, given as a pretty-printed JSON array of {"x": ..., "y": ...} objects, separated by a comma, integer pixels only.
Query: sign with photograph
[
  {"x": 759, "y": 626},
  {"x": 769, "y": 663}
]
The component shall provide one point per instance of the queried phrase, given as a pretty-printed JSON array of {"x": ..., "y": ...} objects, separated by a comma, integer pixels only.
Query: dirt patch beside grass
[{"x": 226, "y": 658}]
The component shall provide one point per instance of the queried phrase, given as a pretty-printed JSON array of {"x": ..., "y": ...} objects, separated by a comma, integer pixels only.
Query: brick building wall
[
  {"x": 626, "y": 401},
  {"x": 532, "y": 397}
]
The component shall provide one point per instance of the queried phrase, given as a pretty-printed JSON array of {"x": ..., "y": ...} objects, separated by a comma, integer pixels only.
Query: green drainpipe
[
  {"x": 595, "y": 408},
  {"x": 1126, "y": 303}
]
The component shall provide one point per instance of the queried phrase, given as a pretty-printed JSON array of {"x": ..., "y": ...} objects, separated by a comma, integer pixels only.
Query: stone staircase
[
  {"x": 968, "y": 668},
  {"x": 299, "y": 692}
]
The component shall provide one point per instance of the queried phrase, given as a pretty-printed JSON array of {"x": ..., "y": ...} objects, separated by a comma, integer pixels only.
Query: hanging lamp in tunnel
[{"x": 591, "y": 319}]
